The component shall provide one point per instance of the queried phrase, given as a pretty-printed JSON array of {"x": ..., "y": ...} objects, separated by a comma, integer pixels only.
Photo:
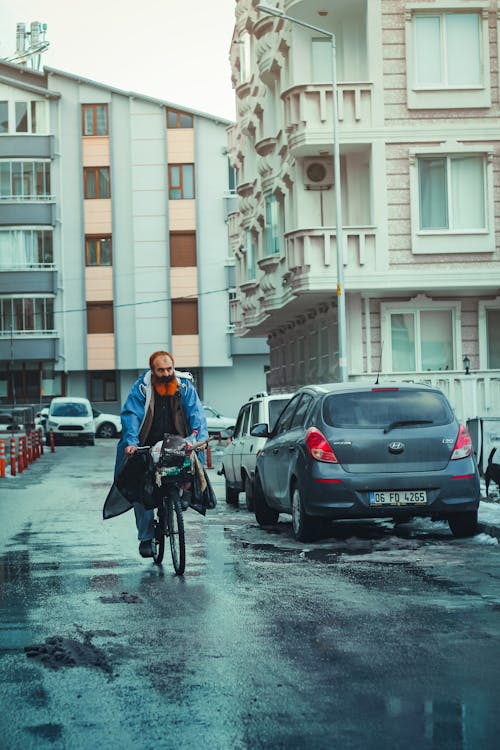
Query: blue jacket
[{"x": 135, "y": 408}]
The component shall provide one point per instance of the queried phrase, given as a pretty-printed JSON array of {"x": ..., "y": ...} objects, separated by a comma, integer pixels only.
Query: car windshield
[
  {"x": 276, "y": 406},
  {"x": 386, "y": 409},
  {"x": 70, "y": 410}
]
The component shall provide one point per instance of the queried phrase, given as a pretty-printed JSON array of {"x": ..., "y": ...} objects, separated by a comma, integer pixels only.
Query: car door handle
[{"x": 291, "y": 448}]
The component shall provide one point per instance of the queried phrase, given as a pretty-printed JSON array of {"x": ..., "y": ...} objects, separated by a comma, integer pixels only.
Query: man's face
[{"x": 163, "y": 369}]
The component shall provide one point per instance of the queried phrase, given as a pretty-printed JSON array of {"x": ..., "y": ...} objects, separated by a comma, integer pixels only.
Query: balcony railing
[
  {"x": 308, "y": 111},
  {"x": 317, "y": 248}
]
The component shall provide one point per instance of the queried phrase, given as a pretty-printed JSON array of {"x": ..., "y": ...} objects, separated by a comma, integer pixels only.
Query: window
[
  {"x": 245, "y": 57},
  {"x": 493, "y": 338},
  {"x": 302, "y": 409},
  {"x": 100, "y": 317},
  {"x": 232, "y": 180},
  {"x": 452, "y": 192},
  {"x": 376, "y": 409},
  {"x": 96, "y": 182},
  {"x": 183, "y": 249},
  {"x": 184, "y": 317},
  {"x": 98, "y": 251},
  {"x": 25, "y": 180},
  {"x": 181, "y": 181},
  {"x": 4, "y": 117},
  {"x": 177, "y": 119},
  {"x": 251, "y": 252},
  {"x": 103, "y": 386},
  {"x": 448, "y": 57},
  {"x": 271, "y": 228},
  {"x": 285, "y": 420},
  {"x": 25, "y": 248},
  {"x": 448, "y": 50},
  {"x": 420, "y": 340},
  {"x": 321, "y": 60},
  {"x": 95, "y": 119},
  {"x": 21, "y": 109},
  {"x": 26, "y": 314}
]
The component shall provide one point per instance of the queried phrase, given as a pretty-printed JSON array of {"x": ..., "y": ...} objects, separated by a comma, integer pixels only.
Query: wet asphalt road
[{"x": 373, "y": 638}]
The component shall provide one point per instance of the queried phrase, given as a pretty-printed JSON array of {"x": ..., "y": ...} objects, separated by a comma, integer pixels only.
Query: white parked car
[
  {"x": 106, "y": 425},
  {"x": 70, "y": 418},
  {"x": 217, "y": 422}
]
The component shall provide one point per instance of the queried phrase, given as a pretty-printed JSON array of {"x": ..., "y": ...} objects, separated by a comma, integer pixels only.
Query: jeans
[{"x": 143, "y": 521}]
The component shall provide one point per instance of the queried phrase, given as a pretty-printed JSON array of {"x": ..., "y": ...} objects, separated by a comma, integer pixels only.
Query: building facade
[
  {"x": 113, "y": 244},
  {"x": 418, "y": 121}
]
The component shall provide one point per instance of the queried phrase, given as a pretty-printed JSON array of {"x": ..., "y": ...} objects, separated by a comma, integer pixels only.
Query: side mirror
[{"x": 260, "y": 430}]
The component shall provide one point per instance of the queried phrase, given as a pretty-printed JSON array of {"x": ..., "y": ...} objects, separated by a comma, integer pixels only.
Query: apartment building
[
  {"x": 418, "y": 135},
  {"x": 113, "y": 243}
]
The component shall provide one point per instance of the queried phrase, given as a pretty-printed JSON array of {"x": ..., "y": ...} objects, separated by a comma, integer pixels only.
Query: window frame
[
  {"x": 447, "y": 97},
  {"x": 107, "y": 377},
  {"x": 180, "y": 186},
  {"x": 437, "y": 241},
  {"x": 179, "y": 114},
  {"x": 415, "y": 306},
  {"x": 98, "y": 238},
  {"x": 21, "y": 310},
  {"x": 87, "y": 171},
  {"x": 93, "y": 107},
  {"x": 483, "y": 307}
]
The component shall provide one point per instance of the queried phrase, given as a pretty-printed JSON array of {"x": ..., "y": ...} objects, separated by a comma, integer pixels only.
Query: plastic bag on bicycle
[{"x": 173, "y": 452}]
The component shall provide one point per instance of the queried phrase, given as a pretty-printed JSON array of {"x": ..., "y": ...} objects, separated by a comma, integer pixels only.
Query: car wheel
[
  {"x": 106, "y": 430},
  {"x": 304, "y": 526},
  {"x": 264, "y": 515},
  {"x": 232, "y": 495},
  {"x": 463, "y": 524},
  {"x": 248, "y": 492}
]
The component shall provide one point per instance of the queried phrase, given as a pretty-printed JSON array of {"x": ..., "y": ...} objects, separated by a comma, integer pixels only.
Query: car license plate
[{"x": 399, "y": 497}]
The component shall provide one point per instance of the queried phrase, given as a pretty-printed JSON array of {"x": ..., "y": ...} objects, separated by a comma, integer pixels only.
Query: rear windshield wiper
[{"x": 403, "y": 422}]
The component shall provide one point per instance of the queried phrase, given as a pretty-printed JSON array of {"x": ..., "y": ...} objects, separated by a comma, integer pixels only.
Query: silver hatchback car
[{"x": 366, "y": 451}]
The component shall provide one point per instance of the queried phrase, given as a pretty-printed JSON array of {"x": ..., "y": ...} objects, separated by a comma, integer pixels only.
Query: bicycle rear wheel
[
  {"x": 160, "y": 530},
  {"x": 175, "y": 530}
]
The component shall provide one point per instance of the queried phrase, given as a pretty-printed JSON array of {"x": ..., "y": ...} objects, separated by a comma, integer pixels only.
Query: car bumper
[{"x": 349, "y": 497}]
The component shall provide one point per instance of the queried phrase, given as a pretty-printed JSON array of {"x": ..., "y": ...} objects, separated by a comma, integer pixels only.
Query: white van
[{"x": 71, "y": 419}]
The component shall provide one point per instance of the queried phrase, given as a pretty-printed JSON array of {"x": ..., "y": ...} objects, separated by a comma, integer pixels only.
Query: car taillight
[
  {"x": 463, "y": 446},
  {"x": 319, "y": 447}
]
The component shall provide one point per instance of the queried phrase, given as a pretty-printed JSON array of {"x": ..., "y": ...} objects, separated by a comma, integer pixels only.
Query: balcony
[
  {"x": 28, "y": 345},
  {"x": 308, "y": 117},
  {"x": 270, "y": 49},
  {"x": 18, "y": 213},
  {"x": 37, "y": 279},
  {"x": 312, "y": 255}
]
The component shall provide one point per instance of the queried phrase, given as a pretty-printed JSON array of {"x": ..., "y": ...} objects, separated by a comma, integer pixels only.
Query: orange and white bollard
[
  {"x": 13, "y": 457},
  {"x": 20, "y": 459},
  {"x": 51, "y": 439},
  {"x": 2, "y": 458},
  {"x": 24, "y": 448},
  {"x": 40, "y": 440}
]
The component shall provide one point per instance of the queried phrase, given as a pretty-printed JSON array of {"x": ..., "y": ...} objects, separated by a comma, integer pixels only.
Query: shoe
[{"x": 146, "y": 548}]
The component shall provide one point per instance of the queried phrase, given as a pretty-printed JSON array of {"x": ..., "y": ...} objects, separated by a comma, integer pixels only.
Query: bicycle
[{"x": 173, "y": 471}]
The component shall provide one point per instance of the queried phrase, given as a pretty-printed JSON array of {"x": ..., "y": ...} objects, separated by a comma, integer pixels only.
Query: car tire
[
  {"x": 106, "y": 430},
  {"x": 304, "y": 527},
  {"x": 463, "y": 524},
  {"x": 249, "y": 493},
  {"x": 232, "y": 495},
  {"x": 264, "y": 515}
]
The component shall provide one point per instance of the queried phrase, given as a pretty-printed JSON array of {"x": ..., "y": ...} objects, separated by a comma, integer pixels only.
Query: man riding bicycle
[{"x": 160, "y": 402}]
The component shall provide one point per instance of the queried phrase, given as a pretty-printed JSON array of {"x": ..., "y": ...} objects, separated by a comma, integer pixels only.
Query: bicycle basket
[{"x": 173, "y": 452}]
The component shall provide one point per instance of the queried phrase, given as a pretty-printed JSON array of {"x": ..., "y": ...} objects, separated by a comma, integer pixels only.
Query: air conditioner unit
[{"x": 318, "y": 173}]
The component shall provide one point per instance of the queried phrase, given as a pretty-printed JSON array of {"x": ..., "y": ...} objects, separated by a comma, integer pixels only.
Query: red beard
[{"x": 166, "y": 389}]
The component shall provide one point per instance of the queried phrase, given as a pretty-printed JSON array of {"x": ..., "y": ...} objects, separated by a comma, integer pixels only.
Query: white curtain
[{"x": 467, "y": 191}]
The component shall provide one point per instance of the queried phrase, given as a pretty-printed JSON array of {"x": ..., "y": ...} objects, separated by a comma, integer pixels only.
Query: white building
[
  {"x": 113, "y": 244},
  {"x": 419, "y": 140}
]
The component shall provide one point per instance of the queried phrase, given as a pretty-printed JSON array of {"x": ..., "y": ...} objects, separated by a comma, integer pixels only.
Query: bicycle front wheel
[
  {"x": 160, "y": 529},
  {"x": 175, "y": 530}
]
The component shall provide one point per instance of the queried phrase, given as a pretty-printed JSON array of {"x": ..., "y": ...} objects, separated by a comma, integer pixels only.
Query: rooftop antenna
[{"x": 30, "y": 45}]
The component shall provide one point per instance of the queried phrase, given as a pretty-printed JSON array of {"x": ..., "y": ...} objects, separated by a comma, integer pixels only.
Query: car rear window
[
  {"x": 382, "y": 408},
  {"x": 70, "y": 410},
  {"x": 276, "y": 406}
]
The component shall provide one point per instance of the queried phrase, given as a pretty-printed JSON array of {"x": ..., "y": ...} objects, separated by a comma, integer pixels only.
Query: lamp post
[{"x": 339, "y": 231}]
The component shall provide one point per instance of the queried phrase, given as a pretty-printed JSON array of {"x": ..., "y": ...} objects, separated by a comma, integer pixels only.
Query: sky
[{"x": 177, "y": 50}]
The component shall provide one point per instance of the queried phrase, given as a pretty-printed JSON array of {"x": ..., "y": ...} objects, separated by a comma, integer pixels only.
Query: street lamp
[{"x": 341, "y": 314}]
